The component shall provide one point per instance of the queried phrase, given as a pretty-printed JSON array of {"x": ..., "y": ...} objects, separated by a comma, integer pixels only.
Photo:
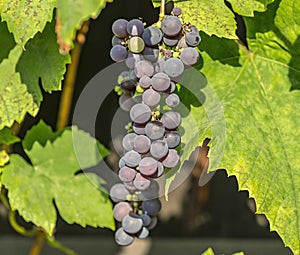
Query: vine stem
[
  {"x": 68, "y": 90},
  {"x": 162, "y": 9},
  {"x": 60, "y": 246}
]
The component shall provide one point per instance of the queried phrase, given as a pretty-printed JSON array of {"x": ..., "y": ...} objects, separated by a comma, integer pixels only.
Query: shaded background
[{"x": 195, "y": 217}]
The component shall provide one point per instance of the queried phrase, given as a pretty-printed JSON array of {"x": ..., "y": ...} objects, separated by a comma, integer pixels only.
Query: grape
[
  {"x": 146, "y": 219},
  {"x": 116, "y": 41},
  {"x": 171, "y": 119},
  {"x": 119, "y": 28},
  {"x": 123, "y": 76},
  {"x": 159, "y": 149},
  {"x": 142, "y": 68},
  {"x": 173, "y": 139},
  {"x": 118, "y": 192},
  {"x": 194, "y": 29},
  {"x": 118, "y": 53},
  {"x": 173, "y": 67},
  {"x": 127, "y": 141},
  {"x": 154, "y": 130},
  {"x": 172, "y": 159},
  {"x": 140, "y": 182},
  {"x": 151, "y": 207},
  {"x": 132, "y": 58},
  {"x": 151, "y": 98},
  {"x": 128, "y": 86},
  {"x": 160, "y": 170},
  {"x": 182, "y": 43},
  {"x": 138, "y": 129},
  {"x": 140, "y": 113},
  {"x": 159, "y": 66},
  {"x": 132, "y": 223},
  {"x": 192, "y": 39},
  {"x": 160, "y": 81},
  {"x": 121, "y": 162},
  {"x": 121, "y": 209},
  {"x": 130, "y": 186},
  {"x": 152, "y": 191},
  {"x": 172, "y": 100},
  {"x": 148, "y": 166},
  {"x": 132, "y": 158},
  {"x": 189, "y": 56},
  {"x": 176, "y": 11},
  {"x": 153, "y": 223},
  {"x": 126, "y": 102},
  {"x": 122, "y": 238},
  {"x": 151, "y": 54},
  {"x": 171, "y": 25},
  {"x": 145, "y": 82},
  {"x": 127, "y": 174},
  {"x": 135, "y": 27},
  {"x": 141, "y": 144},
  {"x": 132, "y": 76},
  {"x": 144, "y": 233},
  {"x": 152, "y": 36},
  {"x": 136, "y": 44},
  {"x": 170, "y": 41},
  {"x": 172, "y": 87}
]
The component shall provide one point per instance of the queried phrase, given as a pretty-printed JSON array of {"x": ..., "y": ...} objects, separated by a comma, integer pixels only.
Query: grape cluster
[{"x": 156, "y": 58}]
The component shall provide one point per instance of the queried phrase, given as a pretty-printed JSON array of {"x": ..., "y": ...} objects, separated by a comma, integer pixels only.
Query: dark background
[{"x": 216, "y": 210}]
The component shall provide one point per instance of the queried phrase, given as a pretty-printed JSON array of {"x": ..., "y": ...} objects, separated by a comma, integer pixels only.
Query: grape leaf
[
  {"x": 26, "y": 18},
  {"x": 247, "y": 7},
  {"x": 15, "y": 100},
  {"x": 52, "y": 176},
  {"x": 210, "y": 251},
  {"x": 261, "y": 117},
  {"x": 7, "y": 41},
  {"x": 80, "y": 10},
  {"x": 4, "y": 158},
  {"x": 211, "y": 17},
  {"x": 7, "y": 137},
  {"x": 42, "y": 63}
]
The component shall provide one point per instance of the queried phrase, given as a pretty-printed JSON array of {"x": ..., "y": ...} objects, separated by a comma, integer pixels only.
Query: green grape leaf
[
  {"x": 67, "y": 25},
  {"x": 52, "y": 176},
  {"x": 26, "y": 18},
  {"x": 254, "y": 104},
  {"x": 211, "y": 17},
  {"x": 4, "y": 158},
  {"x": 247, "y": 7},
  {"x": 42, "y": 63},
  {"x": 7, "y": 137},
  {"x": 7, "y": 41},
  {"x": 210, "y": 251},
  {"x": 15, "y": 100}
]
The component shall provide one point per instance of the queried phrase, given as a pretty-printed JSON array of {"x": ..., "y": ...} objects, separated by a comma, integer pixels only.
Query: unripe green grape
[{"x": 136, "y": 44}]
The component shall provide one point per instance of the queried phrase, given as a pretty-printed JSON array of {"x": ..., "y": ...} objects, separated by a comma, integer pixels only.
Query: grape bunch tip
[{"x": 156, "y": 57}]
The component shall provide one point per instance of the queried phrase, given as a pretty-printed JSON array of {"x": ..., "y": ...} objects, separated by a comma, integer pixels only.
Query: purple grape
[
  {"x": 176, "y": 11},
  {"x": 171, "y": 25},
  {"x": 151, "y": 207},
  {"x": 182, "y": 43},
  {"x": 141, "y": 144},
  {"x": 118, "y": 192},
  {"x": 126, "y": 102},
  {"x": 146, "y": 219},
  {"x": 170, "y": 41},
  {"x": 135, "y": 27},
  {"x": 160, "y": 82},
  {"x": 159, "y": 66},
  {"x": 118, "y": 53},
  {"x": 152, "y": 36},
  {"x": 127, "y": 141},
  {"x": 173, "y": 139},
  {"x": 127, "y": 174},
  {"x": 154, "y": 130},
  {"x": 128, "y": 86},
  {"x": 132, "y": 58},
  {"x": 153, "y": 223},
  {"x": 132, "y": 223},
  {"x": 116, "y": 41},
  {"x": 172, "y": 159},
  {"x": 142, "y": 68},
  {"x": 140, "y": 182},
  {"x": 192, "y": 39},
  {"x": 143, "y": 233},
  {"x": 122, "y": 238},
  {"x": 152, "y": 191},
  {"x": 145, "y": 82},
  {"x": 159, "y": 149},
  {"x": 189, "y": 56},
  {"x": 151, "y": 54},
  {"x": 151, "y": 98},
  {"x": 132, "y": 158},
  {"x": 140, "y": 113},
  {"x": 119, "y": 28},
  {"x": 138, "y": 129},
  {"x": 173, "y": 67},
  {"x": 130, "y": 186},
  {"x": 194, "y": 29},
  {"x": 171, "y": 120},
  {"x": 121, "y": 209},
  {"x": 148, "y": 166},
  {"x": 160, "y": 170},
  {"x": 172, "y": 100},
  {"x": 121, "y": 162}
]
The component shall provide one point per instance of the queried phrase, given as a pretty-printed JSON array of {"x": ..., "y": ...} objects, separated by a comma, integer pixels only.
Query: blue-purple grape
[
  {"x": 154, "y": 130},
  {"x": 193, "y": 39},
  {"x": 118, "y": 192},
  {"x": 172, "y": 159},
  {"x": 159, "y": 149},
  {"x": 151, "y": 207},
  {"x": 148, "y": 166},
  {"x": 172, "y": 100},
  {"x": 127, "y": 174},
  {"x": 132, "y": 158},
  {"x": 171, "y": 25},
  {"x": 140, "y": 113},
  {"x": 173, "y": 67},
  {"x": 171, "y": 120},
  {"x": 160, "y": 82},
  {"x": 189, "y": 56},
  {"x": 119, "y": 28},
  {"x": 140, "y": 182},
  {"x": 142, "y": 68},
  {"x": 152, "y": 36},
  {"x": 173, "y": 139},
  {"x": 135, "y": 27},
  {"x": 132, "y": 224},
  {"x": 122, "y": 238},
  {"x": 176, "y": 11},
  {"x": 145, "y": 82},
  {"x": 118, "y": 53},
  {"x": 151, "y": 98},
  {"x": 141, "y": 144},
  {"x": 127, "y": 141}
]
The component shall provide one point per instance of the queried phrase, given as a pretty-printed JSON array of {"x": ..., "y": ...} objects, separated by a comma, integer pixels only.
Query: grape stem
[{"x": 162, "y": 9}]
